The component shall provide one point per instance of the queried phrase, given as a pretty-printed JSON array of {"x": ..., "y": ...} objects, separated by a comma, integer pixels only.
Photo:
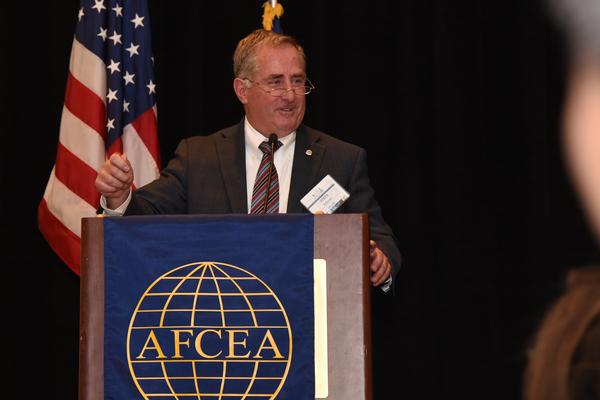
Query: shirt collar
[{"x": 254, "y": 138}]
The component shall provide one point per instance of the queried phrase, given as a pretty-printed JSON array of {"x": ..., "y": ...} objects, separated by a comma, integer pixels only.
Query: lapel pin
[{"x": 308, "y": 152}]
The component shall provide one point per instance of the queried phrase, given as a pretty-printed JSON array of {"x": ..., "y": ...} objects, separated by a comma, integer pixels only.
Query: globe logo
[{"x": 209, "y": 330}]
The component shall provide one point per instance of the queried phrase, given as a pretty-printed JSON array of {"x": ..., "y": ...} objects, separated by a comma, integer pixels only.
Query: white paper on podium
[{"x": 320, "y": 296}]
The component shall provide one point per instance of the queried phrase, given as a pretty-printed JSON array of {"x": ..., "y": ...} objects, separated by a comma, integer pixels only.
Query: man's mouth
[{"x": 286, "y": 109}]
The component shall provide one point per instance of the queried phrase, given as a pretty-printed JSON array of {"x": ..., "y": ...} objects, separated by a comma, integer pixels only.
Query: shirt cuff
[
  {"x": 387, "y": 285},
  {"x": 117, "y": 212}
]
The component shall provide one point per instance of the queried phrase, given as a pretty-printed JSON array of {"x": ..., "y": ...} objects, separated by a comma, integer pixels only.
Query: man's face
[{"x": 277, "y": 67}]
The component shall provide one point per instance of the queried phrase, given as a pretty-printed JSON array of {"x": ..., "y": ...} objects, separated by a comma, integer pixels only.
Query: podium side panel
[
  {"x": 91, "y": 330},
  {"x": 342, "y": 240}
]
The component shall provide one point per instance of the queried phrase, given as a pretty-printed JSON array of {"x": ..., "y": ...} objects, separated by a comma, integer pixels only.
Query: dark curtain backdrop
[{"x": 458, "y": 105}]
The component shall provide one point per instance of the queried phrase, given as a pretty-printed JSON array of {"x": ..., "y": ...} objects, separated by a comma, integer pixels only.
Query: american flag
[{"x": 109, "y": 107}]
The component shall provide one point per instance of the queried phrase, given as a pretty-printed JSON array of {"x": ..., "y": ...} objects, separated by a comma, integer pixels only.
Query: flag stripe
[
  {"x": 146, "y": 128},
  {"x": 81, "y": 140},
  {"x": 66, "y": 205},
  {"x": 88, "y": 69},
  {"x": 78, "y": 183},
  {"x": 115, "y": 147},
  {"x": 63, "y": 242},
  {"x": 85, "y": 105},
  {"x": 143, "y": 162}
]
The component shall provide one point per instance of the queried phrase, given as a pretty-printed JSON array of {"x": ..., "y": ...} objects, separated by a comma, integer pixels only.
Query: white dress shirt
[{"x": 284, "y": 158}]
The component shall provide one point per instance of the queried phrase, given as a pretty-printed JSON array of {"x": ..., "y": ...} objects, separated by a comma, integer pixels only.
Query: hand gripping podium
[{"x": 341, "y": 240}]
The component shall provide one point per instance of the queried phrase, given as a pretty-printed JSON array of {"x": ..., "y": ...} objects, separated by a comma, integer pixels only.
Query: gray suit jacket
[{"x": 208, "y": 176}]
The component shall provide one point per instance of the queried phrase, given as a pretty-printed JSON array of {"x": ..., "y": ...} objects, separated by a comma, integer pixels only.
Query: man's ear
[{"x": 241, "y": 90}]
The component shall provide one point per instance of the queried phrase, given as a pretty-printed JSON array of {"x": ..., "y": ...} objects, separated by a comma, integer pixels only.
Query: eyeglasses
[{"x": 300, "y": 90}]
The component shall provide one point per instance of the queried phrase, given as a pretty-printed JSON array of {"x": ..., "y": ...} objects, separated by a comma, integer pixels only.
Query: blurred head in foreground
[{"x": 579, "y": 20}]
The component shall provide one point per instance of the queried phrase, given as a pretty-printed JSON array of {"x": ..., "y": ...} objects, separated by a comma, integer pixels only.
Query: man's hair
[
  {"x": 580, "y": 22},
  {"x": 244, "y": 57},
  {"x": 564, "y": 363}
]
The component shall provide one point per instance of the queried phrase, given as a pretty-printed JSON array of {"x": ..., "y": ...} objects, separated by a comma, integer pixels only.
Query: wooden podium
[{"x": 341, "y": 239}]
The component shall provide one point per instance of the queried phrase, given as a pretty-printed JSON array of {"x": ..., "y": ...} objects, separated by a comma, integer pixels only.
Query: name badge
[{"x": 326, "y": 197}]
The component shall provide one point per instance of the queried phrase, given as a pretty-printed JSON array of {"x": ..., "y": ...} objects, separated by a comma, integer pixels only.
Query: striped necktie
[{"x": 266, "y": 182}]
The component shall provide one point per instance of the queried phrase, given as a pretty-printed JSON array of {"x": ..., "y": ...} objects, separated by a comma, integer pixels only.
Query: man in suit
[{"x": 216, "y": 174}]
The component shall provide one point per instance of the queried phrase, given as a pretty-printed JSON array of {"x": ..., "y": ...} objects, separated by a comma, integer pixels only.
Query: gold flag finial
[{"x": 270, "y": 13}]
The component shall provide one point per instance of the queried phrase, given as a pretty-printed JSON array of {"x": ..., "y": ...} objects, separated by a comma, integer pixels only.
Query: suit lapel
[
  {"x": 232, "y": 158},
  {"x": 308, "y": 154}
]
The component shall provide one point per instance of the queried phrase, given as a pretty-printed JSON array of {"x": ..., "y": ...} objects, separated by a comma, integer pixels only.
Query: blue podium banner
[{"x": 209, "y": 307}]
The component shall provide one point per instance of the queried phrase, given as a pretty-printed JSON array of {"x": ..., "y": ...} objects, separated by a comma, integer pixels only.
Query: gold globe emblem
[{"x": 209, "y": 330}]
